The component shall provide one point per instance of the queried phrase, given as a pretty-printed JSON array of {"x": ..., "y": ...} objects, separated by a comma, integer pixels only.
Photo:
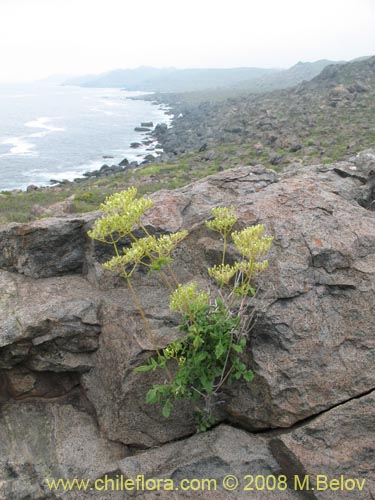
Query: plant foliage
[{"x": 214, "y": 328}]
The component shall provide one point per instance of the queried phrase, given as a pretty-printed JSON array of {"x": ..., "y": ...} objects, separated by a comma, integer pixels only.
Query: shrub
[{"x": 215, "y": 328}]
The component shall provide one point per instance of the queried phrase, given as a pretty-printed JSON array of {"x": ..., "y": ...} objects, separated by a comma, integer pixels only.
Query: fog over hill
[
  {"x": 171, "y": 79},
  {"x": 186, "y": 80}
]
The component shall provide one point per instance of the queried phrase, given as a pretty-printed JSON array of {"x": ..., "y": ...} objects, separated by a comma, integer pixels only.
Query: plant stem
[
  {"x": 172, "y": 274},
  {"x": 141, "y": 311},
  {"x": 147, "y": 325},
  {"x": 224, "y": 247}
]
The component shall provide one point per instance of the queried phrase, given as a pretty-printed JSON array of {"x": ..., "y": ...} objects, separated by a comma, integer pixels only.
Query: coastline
[
  {"x": 143, "y": 149},
  {"x": 150, "y": 135}
]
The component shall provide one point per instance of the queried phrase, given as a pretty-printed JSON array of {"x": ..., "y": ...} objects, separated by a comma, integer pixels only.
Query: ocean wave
[
  {"x": 42, "y": 122},
  {"x": 96, "y": 110},
  {"x": 20, "y": 147},
  {"x": 112, "y": 103}
]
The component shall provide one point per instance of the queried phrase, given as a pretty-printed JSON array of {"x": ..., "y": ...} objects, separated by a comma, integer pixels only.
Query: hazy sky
[{"x": 42, "y": 37}]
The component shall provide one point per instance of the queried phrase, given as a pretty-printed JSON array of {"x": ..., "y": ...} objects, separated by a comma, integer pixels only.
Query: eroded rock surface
[
  {"x": 70, "y": 337},
  {"x": 40, "y": 441}
]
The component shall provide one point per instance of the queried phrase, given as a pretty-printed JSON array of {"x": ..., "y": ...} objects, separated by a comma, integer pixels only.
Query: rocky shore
[
  {"x": 319, "y": 121},
  {"x": 73, "y": 406},
  {"x": 322, "y": 120},
  {"x": 148, "y": 138}
]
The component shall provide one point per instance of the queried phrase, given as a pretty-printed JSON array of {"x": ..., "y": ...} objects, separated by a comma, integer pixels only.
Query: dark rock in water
[
  {"x": 160, "y": 130},
  {"x": 135, "y": 145},
  {"x": 116, "y": 169},
  {"x": 147, "y": 161},
  {"x": 124, "y": 162},
  {"x": 142, "y": 129},
  {"x": 104, "y": 168},
  {"x": 147, "y": 124},
  {"x": 147, "y": 142},
  {"x": 149, "y": 157},
  {"x": 133, "y": 164},
  {"x": 94, "y": 173},
  {"x": 107, "y": 157},
  {"x": 31, "y": 188}
]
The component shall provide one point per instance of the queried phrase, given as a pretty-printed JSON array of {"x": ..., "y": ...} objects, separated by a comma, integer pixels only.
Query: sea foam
[
  {"x": 43, "y": 122},
  {"x": 20, "y": 147}
]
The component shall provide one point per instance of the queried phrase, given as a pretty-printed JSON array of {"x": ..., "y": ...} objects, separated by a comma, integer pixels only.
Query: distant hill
[
  {"x": 222, "y": 81},
  {"x": 286, "y": 78},
  {"x": 172, "y": 79},
  {"x": 361, "y": 69}
]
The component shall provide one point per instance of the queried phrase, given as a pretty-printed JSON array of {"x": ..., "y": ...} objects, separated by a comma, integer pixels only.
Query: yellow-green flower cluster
[
  {"x": 188, "y": 297},
  {"x": 223, "y": 221},
  {"x": 149, "y": 247},
  {"x": 222, "y": 273},
  {"x": 251, "y": 243},
  {"x": 172, "y": 350},
  {"x": 251, "y": 268},
  {"x": 119, "y": 203},
  {"x": 132, "y": 255},
  {"x": 164, "y": 245},
  {"x": 123, "y": 211}
]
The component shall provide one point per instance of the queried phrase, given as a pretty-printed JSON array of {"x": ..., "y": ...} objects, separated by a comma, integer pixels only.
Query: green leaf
[
  {"x": 197, "y": 341},
  {"x": 237, "y": 348},
  {"x": 206, "y": 384},
  {"x": 251, "y": 290},
  {"x": 151, "y": 396},
  {"x": 166, "y": 411},
  {"x": 144, "y": 368},
  {"x": 248, "y": 376},
  {"x": 219, "y": 350}
]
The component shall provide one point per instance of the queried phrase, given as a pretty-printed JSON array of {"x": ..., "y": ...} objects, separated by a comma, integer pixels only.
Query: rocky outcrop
[
  {"x": 43, "y": 440},
  {"x": 44, "y": 248},
  {"x": 325, "y": 119},
  {"x": 340, "y": 442},
  {"x": 70, "y": 338}
]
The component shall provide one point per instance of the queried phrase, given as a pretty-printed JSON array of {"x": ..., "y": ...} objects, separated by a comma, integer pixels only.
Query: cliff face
[{"x": 70, "y": 337}]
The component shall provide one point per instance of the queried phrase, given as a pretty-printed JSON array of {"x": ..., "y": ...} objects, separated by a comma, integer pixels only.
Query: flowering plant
[{"x": 215, "y": 328}]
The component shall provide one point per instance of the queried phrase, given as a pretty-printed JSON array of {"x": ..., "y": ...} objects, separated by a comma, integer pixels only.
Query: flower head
[
  {"x": 223, "y": 221},
  {"x": 122, "y": 212},
  {"x": 250, "y": 242},
  {"x": 222, "y": 273},
  {"x": 188, "y": 297}
]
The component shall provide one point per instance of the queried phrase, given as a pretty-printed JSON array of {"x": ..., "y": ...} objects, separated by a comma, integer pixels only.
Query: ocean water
[{"x": 59, "y": 132}]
